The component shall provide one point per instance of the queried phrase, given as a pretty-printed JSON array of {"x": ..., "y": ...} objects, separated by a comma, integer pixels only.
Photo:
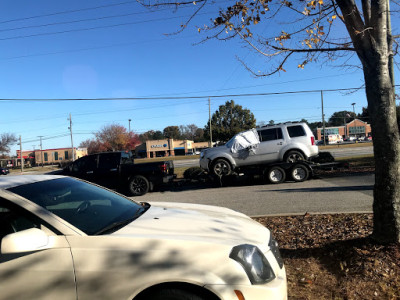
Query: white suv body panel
[{"x": 275, "y": 142}]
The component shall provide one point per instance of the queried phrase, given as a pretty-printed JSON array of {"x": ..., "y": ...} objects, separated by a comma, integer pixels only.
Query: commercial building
[
  {"x": 50, "y": 156},
  {"x": 355, "y": 128},
  {"x": 169, "y": 147}
]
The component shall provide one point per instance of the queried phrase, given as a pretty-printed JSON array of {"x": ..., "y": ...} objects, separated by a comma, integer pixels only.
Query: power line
[
  {"x": 180, "y": 98},
  {"x": 67, "y": 12},
  {"x": 61, "y": 116},
  {"x": 93, "y": 28},
  {"x": 97, "y": 48}
]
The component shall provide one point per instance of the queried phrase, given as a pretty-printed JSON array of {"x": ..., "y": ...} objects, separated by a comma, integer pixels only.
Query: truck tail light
[
  {"x": 163, "y": 168},
  {"x": 312, "y": 141}
]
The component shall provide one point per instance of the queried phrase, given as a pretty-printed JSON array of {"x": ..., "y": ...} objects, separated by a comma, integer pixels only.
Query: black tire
[
  {"x": 174, "y": 294},
  {"x": 299, "y": 173},
  {"x": 221, "y": 167},
  {"x": 275, "y": 175},
  {"x": 138, "y": 185},
  {"x": 293, "y": 156}
]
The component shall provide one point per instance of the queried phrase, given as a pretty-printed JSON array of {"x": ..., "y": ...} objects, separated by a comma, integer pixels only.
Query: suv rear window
[
  {"x": 295, "y": 131},
  {"x": 270, "y": 134}
]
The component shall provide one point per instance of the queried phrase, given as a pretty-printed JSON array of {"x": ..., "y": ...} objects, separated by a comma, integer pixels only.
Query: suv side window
[
  {"x": 295, "y": 131},
  {"x": 270, "y": 134}
]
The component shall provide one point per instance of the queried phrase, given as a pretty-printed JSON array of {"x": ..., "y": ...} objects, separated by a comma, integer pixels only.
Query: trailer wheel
[
  {"x": 275, "y": 174},
  {"x": 138, "y": 185},
  {"x": 299, "y": 173},
  {"x": 221, "y": 168}
]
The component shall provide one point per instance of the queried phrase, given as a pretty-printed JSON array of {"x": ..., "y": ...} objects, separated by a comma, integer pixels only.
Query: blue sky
[{"x": 130, "y": 56}]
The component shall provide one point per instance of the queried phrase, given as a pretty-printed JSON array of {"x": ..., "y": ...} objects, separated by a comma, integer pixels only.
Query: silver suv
[{"x": 287, "y": 142}]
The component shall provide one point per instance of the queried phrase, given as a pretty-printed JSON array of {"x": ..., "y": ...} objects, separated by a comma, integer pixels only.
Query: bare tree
[
  {"x": 7, "y": 140},
  {"x": 301, "y": 32}
]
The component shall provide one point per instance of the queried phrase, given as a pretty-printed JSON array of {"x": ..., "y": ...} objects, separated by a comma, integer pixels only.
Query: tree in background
[
  {"x": 261, "y": 123},
  {"x": 229, "y": 120},
  {"x": 172, "y": 132},
  {"x": 364, "y": 116},
  {"x": 340, "y": 118},
  {"x": 151, "y": 135},
  {"x": 111, "y": 138},
  {"x": 92, "y": 146},
  {"x": 199, "y": 135},
  {"x": 7, "y": 140}
]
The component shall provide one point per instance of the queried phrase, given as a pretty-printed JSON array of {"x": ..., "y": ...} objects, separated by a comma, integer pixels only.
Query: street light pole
[
  {"x": 209, "y": 116},
  {"x": 20, "y": 154},
  {"x": 41, "y": 150},
  {"x": 129, "y": 125},
  {"x": 354, "y": 119},
  {"x": 72, "y": 141}
]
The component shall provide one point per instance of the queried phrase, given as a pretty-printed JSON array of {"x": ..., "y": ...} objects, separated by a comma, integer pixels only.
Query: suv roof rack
[{"x": 285, "y": 123}]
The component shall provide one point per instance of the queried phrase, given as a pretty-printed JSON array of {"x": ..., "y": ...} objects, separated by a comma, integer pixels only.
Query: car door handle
[
  {"x": 113, "y": 170},
  {"x": 279, "y": 143},
  {"x": 89, "y": 172}
]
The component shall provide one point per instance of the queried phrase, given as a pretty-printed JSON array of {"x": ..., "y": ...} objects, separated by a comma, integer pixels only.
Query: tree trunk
[
  {"x": 373, "y": 47},
  {"x": 385, "y": 134}
]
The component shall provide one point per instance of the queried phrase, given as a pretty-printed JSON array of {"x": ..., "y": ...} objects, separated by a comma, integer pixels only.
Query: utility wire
[
  {"x": 98, "y": 47},
  {"x": 90, "y": 28},
  {"x": 67, "y": 12},
  {"x": 84, "y": 20},
  {"x": 180, "y": 98}
]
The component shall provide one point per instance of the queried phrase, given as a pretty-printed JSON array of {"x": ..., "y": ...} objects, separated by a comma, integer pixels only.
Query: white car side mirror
[{"x": 32, "y": 239}]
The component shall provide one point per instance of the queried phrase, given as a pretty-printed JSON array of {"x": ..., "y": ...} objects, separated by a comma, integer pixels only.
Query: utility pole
[
  {"x": 323, "y": 116},
  {"x": 41, "y": 150},
  {"x": 129, "y": 125},
  {"x": 72, "y": 141},
  {"x": 209, "y": 116},
  {"x": 20, "y": 154},
  {"x": 354, "y": 119}
]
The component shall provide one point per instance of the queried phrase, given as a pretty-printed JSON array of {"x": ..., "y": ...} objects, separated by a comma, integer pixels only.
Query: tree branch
[{"x": 283, "y": 49}]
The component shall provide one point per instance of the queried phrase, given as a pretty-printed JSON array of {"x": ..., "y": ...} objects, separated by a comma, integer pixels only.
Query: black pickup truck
[{"x": 118, "y": 170}]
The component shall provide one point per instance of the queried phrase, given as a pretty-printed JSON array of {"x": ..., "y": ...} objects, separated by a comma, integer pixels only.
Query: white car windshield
[{"x": 91, "y": 209}]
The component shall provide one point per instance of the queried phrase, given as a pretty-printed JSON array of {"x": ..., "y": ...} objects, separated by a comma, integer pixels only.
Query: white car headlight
[{"x": 254, "y": 263}]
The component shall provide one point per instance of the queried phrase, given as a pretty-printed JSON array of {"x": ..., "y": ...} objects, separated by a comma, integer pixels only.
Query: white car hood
[{"x": 182, "y": 221}]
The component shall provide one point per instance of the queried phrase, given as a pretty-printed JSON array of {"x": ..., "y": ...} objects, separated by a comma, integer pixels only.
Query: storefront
[
  {"x": 168, "y": 147},
  {"x": 57, "y": 156},
  {"x": 354, "y": 129}
]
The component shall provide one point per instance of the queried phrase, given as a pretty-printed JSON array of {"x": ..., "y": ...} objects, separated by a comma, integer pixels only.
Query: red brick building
[{"x": 355, "y": 128}]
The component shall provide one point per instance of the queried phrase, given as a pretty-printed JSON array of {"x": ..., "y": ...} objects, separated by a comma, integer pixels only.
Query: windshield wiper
[{"x": 117, "y": 225}]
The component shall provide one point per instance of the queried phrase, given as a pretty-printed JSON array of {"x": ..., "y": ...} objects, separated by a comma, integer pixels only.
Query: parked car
[
  {"x": 287, "y": 142},
  {"x": 63, "y": 238},
  {"x": 4, "y": 171},
  {"x": 118, "y": 170}
]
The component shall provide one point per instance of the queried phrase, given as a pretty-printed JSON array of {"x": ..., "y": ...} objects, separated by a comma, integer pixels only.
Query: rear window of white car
[
  {"x": 270, "y": 134},
  {"x": 295, "y": 131}
]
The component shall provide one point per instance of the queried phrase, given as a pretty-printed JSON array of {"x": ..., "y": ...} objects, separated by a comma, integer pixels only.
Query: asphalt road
[{"x": 330, "y": 195}]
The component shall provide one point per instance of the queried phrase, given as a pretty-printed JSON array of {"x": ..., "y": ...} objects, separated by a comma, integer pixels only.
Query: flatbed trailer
[{"x": 281, "y": 171}]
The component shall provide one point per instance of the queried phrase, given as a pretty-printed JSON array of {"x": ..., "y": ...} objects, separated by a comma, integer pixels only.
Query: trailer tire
[
  {"x": 138, "y": 185},
  {"x": 221, "y": 167},
  {"x": 293, "y": 156},
  {"x": 299, "y": 173},
  {"x": 275, "y": 174}
]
